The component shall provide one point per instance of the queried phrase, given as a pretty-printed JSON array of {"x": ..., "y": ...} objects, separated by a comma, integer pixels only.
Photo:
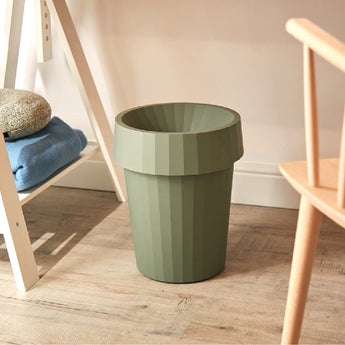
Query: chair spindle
[
  {"x": 341, "y": 177},
  {"x": 311, "y": 121}
]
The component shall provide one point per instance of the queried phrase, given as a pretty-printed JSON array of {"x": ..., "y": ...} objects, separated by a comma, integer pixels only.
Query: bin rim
[
  {"x": 119, "y": 119},
  {"x": 178, "y": 153}
]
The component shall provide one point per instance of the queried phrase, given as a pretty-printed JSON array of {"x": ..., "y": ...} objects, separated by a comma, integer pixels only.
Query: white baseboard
[
  {"x": 263, "y": 185},
  {"x": 254, "y": 183},
  {"x": 93, "y": 174}
]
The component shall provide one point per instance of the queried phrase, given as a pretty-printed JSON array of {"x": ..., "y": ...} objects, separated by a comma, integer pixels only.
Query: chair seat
[{"x": 323, "y": 197}]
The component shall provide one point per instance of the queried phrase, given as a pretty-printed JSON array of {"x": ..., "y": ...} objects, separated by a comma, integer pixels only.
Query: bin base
[
  {"x": 180, "y": 224},
  {"x": 174, "y": 281}
]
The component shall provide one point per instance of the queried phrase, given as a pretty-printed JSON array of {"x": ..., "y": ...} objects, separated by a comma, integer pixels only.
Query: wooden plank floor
[{"x": 92, "y": 293}]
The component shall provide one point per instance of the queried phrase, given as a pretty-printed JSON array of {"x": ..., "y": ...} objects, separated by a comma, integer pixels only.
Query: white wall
[{"x": 234, "y": 53}]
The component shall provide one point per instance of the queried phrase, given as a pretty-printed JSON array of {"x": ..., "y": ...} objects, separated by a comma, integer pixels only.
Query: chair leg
[{"x": 307, "y": 233}]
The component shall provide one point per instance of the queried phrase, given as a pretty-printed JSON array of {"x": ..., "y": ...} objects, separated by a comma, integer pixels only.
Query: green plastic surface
[
  {"x": 180, "y": 224},
  {"x": 178, "y": 161},
  {"x": 178, "y": 139}
]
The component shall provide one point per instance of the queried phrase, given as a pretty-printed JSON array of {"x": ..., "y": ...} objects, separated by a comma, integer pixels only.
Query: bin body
[{"x": 179, "y": 187}]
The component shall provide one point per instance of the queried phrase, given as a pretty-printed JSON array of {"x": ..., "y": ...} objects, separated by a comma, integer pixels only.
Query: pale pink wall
[{"x": 234, "y": 53}]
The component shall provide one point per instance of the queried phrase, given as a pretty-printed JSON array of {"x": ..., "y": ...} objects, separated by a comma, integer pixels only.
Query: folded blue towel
[{"x": 34, "y": 158}]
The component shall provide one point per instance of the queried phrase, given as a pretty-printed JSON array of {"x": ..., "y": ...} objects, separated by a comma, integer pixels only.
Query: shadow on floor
[
  {"x": 264, "y": 237},
  {"x": 57, "y": 223}
]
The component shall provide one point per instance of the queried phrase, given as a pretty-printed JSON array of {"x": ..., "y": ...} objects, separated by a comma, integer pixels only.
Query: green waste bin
[{"x": 178, "y": 160}]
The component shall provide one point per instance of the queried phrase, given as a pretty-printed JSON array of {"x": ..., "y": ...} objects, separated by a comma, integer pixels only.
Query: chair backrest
[{"x": 317, "y": 40}]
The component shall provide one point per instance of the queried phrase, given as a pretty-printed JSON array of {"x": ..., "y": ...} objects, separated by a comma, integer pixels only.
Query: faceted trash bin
[{"x": 178, "y": 160}]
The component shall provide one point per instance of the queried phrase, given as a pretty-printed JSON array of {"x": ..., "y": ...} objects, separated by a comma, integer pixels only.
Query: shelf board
[{"x": 29, "y": 194}]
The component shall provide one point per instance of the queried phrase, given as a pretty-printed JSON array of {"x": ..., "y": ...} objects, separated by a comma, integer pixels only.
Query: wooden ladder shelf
[{"x": 12, "y": 222}]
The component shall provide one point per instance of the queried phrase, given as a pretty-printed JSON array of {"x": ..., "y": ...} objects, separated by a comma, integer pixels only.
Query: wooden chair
[{"x": 321, "y": 182}]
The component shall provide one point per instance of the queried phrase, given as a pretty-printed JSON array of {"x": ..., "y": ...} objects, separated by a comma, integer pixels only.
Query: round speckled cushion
[{"x": 22, "y": 113}]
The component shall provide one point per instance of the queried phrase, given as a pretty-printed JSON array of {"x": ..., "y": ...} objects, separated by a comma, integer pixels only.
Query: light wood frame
[
  {"x": 12, "y": 221},
  {"x": 12, "y": 33},
  {"x": 321, "y": 183}
]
